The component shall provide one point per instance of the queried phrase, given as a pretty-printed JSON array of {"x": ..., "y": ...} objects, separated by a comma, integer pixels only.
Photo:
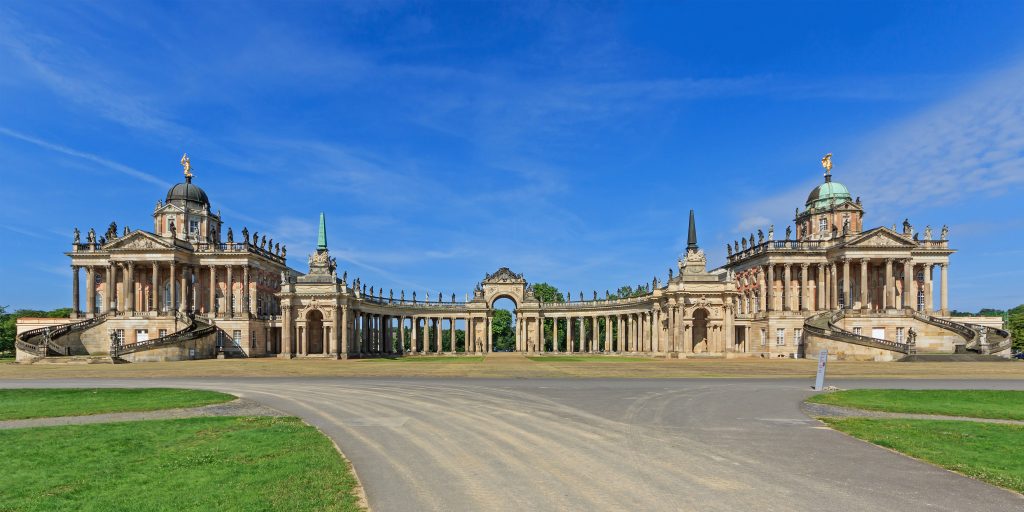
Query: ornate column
[
  {"x": 173, "y": 282},
  {"x": 787, "y": 288},
  {"x": 183, "y": 304},
  {"x": 75, "y": 306},
  {"x": 890, "y": 289},
  {"x": 130, "y": 286},
  {"x": 246, "y": 292},
  {"x": 607, "y": 334},
  {"x": 805, "y": 301},
  {"x": 568, "y": 335},
  {"x": 211, "y": 306},
  {"x": 229, "y": 297},
  {"x": 346, "y": 349},
  {"x": 656, "y": 338},
  {"x": 90, "y": 291},
  {"x": 770, "y": 289},
  {"x": 908, "y": 272},
  {"x": 286, "y": 331},
  {"x": 762, "y": 291},
  {"x": 821, "y": 286},
  {"x": 437, "y": 332},
  {"x": 846, "y": 284},
  {"x": 944, "y": 290},
  {"x": 414, "y": 341},
  {"x": 864, "y": 262},
  {"x": 335, "y": 330},
  {"x": 729, "y": 334},
  {"x": 554, "y": 335}
]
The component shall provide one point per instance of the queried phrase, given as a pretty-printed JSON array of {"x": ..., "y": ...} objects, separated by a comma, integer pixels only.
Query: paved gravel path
[
  {"x": 240, "y": 407},
  {"x": 615, "y": 444}
]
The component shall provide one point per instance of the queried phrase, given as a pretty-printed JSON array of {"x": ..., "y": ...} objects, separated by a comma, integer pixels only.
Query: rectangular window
[
  {"x": 857, "y": 331},
  {"x": 119, "y": 336},
  {"x": 141, "y": 334},
  {"x": 797, "y": 335},
  {"x": 236, "y": 336},
  {"x": 899, "y": 335},
  {"x": 764, "y": 337},
  {"x": 252, "y": 339},
  {"x": 780, "y": 337},
  {"x": 193, "y": 225},
  {"x": 163, "y": 332}
]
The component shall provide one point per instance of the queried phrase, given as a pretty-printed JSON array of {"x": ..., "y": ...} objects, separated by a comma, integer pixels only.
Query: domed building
[{"x": 186, "y": 290}]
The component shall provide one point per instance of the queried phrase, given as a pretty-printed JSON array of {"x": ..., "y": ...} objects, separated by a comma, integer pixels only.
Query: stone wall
[{"x": 842, "y": 351}]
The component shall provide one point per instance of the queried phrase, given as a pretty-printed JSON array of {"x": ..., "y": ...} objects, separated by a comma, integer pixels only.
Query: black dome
[{"x": 187, "y": 194}]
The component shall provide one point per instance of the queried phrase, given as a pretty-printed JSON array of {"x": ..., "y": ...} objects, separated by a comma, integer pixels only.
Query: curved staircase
[
  {"x": 194, "y": 329},
  {"x": 981, "y": 342},
  {"x": 44, "y": 342}
]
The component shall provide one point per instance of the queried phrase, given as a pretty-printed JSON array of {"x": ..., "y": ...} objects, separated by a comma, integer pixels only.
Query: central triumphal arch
[{"x": 323, "y": 315}]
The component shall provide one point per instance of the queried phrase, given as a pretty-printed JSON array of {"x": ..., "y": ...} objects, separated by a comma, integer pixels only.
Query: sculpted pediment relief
[
  {"x": 504, "y": 275},
  {"x": 881, "y": 238},
  {"x": 138, "y": 240}
]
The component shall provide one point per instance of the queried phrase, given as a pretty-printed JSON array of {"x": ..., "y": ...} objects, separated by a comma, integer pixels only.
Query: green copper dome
[{"x": 827, "y": 194}]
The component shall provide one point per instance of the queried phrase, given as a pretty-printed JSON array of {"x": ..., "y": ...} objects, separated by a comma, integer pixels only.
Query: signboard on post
[{"x": 819, "y": 381}]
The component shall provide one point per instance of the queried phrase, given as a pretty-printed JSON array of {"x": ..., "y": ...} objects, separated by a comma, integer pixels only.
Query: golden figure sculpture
[
  {"x": 826, "y": 162},
  {"x": 186, "y": 165}
]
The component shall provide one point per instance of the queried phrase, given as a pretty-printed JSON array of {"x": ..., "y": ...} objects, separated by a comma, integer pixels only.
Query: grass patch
[
  {"x": 1007, "y": 405},
  {"x": 187, "y": 464},
  {"x": 987, "y": 451},
  {"x": 603, "y": 359},
  {"x": 16, "y": 404},
  {"x": 430, "y": 359}
]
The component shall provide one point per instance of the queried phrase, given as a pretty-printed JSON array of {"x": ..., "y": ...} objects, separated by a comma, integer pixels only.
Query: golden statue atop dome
[
  {"x": 186, "y": 165},
  {"x": 826, "y": 162}
]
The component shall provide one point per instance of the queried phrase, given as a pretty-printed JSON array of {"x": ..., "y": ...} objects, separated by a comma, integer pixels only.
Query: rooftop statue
[
  {"x": 186, "y": 165},
  {"x": 78, "y": 237},
  {"x": 826, "y": 162}
]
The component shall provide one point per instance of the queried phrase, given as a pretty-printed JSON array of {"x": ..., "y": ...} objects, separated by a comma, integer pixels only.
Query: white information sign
[{"x": 819, "y": 382}]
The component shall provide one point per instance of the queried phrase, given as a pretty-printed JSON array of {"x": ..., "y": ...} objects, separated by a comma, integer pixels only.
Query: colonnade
[
  {"x": 130, "y": 287},
  {"x": 848, "y": 283}
]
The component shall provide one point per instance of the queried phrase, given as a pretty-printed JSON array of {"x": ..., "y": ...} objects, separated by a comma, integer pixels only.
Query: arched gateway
[{"x": 362, "y": 321}]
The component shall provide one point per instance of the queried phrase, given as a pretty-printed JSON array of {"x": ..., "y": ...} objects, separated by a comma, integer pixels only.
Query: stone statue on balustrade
[
  {"x": 907, "y": 228},
  {"x": 231, "y": 236},
  {"x": 728, "y": 249},
  {"x": 91, "y": 237},
  {"x": 846, "y": 226},
  {"x": 760, "y": 236},
  {"x": 751, "y": 240},
  {"x": 284, "y": 250},
  {"x": 736, "y": 246},
  {"x": 928, "y": 232},
  {"x": 771, "y": 232},
  {"x": 789, "y": 232},
  {"x": 78, "y": 237},
  {"x": 945, "y": 233},
  {"x": 245, "y": 235},
  {"x": 744, "y": 244}
]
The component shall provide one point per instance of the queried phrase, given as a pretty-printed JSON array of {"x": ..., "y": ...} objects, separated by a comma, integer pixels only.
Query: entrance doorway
[{"x": 503, "y": 325}]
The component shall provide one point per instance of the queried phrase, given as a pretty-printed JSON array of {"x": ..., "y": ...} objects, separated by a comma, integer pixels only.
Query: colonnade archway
[{"x": 504, "y": 325}]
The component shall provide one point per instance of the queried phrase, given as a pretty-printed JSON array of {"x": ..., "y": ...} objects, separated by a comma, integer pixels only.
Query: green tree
[
  {"x": 1015, "y": 324},
  {"x": 9, "y": 321},
  {"x": 501, "y": 329}
]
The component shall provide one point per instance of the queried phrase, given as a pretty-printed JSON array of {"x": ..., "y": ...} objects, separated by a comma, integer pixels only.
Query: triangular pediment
[
  {"x": 138, "y": 240},
  {"x": 880, "y": 237}
]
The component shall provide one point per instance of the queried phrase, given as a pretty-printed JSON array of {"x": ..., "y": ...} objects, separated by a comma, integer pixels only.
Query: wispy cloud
[{"x": 109, "y": 164}]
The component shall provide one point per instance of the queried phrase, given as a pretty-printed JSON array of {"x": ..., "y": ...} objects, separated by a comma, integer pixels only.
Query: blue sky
[{"x": 566, "y": 141}]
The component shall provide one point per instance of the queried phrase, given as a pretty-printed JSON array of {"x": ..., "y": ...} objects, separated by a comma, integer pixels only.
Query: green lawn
[
  {"x": 211, "y": 463},
  {"x": 44, "y": 403},
  {"x": 606, "y": 359},
  {"x": 975, "y": 404},
  {"x": 987, "y": 451}
]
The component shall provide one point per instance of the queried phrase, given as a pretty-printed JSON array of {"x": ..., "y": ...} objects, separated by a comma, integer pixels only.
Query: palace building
[{"x": 189, "y": 290}]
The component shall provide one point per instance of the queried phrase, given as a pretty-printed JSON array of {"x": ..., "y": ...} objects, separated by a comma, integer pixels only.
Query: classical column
[
  {"x": 345, "y": 348},
  {"x": 863, "y": 284},
  {"x": 787, "y": 288},
  {"x": 730, "y": 331},
  {"x": 890, "y": 288},
  {"x": 286, "y": 332},
  {"x": 90, "y": 291},
  {"x": 245, "y": 290},
  {"x": 944, "y": 290},
  {"x": 211, "y": 305},
  {"x": 183, "y": 303},
  {"x": 908, "y": 272},
  {"x": 229, "y": 297},
  {"x": 656, "y": 339},
  {"x": 846, "y": 284},
  {"x": 805, "y": 301},
  {"x": 414, "y": 338},
  {"x": 820, "y": 284},
  {"x": 554, "y": 335},
  {"x": 437, "y": 333},
  {"x": 568, "y": 335},
  {"x": 75, "y": 306},
  {"x": 490, "y": 334},
  {"x": 130, "y": 286},
  {"x": 770, "y": 289},
  {"x": 173, "y": 283}
]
